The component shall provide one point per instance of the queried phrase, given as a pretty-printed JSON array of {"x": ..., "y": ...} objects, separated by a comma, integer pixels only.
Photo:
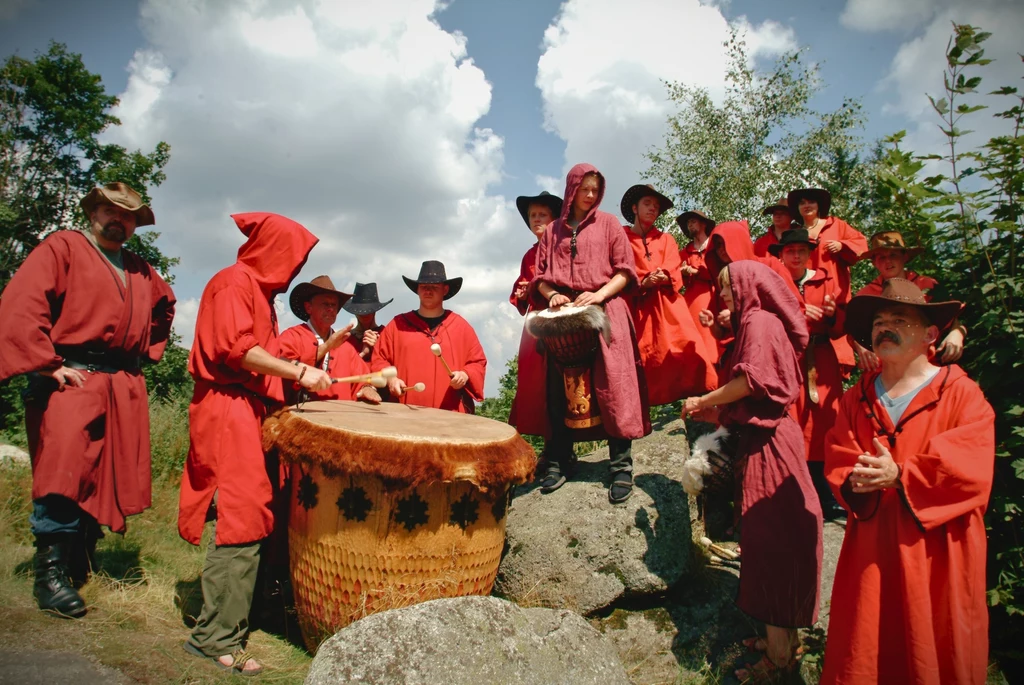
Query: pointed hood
[
  {"x": 756, "y": 288},
  {"x": 736, "y": 235},
  {"x": 276, "y": 249},
  {"x": 573, "y": 181}
]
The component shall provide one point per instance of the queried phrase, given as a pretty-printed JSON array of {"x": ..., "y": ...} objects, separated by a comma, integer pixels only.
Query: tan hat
[
  {"x": 889, "y": 240},
  {"x": 860, "y": 312},
  {"x": 120, "y": 195},
  {"x": 782, "y": 204},
  {"x": 304, "y": 292},
  {"x": 683, "y": 218}
]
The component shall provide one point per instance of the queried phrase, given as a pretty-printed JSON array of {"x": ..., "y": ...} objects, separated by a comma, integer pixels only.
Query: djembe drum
[
  {"x": 392, "y": 505},
  {"x": 572, "y": 336}
]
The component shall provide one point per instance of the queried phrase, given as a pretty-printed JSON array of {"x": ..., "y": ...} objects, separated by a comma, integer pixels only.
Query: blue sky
[{"x": 399, "y": 133}]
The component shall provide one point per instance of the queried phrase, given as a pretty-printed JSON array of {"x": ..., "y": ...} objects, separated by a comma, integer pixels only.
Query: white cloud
[
  {"x": 359, "y": 120},
  {"x": 602, "y": 75},
  {"x": 889, "y": 15}
]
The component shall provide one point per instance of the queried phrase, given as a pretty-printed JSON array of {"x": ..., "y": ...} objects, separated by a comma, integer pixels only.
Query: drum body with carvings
[
  {"x": 392, "y": 505},
  {"x": 572, "y": 337}
]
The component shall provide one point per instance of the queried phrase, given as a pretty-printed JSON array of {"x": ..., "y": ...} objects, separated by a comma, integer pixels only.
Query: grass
[{"x": 142, "y": 600}]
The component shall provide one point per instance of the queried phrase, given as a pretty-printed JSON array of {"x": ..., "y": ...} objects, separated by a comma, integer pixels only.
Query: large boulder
[
  {"x": 14, "y": 454},
  {"x": 573, "y": 549},
  {"x": 470, "y": 640}
]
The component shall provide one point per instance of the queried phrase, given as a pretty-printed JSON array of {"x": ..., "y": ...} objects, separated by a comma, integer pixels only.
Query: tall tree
[
  {"x": 52, "y": 112},
  {"x": 735, "y": 157}
]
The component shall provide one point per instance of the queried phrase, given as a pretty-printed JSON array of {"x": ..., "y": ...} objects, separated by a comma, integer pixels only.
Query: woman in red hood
[
  {"x": 237, "y": 381},
  {"x": 584, "y": 258}
]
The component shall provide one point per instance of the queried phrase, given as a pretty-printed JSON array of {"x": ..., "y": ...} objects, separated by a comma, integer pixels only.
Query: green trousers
[{"x": 229, "y": 579}]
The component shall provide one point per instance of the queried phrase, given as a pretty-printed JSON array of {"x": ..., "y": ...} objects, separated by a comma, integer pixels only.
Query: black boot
[
  {"x": 53, "y": 589},
  {"x": 82, "y": 563}
]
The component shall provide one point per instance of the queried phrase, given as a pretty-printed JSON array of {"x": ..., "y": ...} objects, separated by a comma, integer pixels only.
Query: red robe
[
  {"x": 299, "y": 342},
  {"x": 781, "y": 518},
  {"x": 854, "y": 244},
  {"x": 698, "y": 295},
  {"x": 817, "y": 417},
  {"x": 908, "y": 604},
  {"x": 89, "y": 444},
  {"x": 765, "y": 241},
  {"x": 405, "y": 344},
  {"x": 925, "y": 283},
  {"x": 675, "y": 361},
  {"x": 236, "y": 314},
  {"x": 530, "y": 365},
  {"x": 602, "y": 252}
]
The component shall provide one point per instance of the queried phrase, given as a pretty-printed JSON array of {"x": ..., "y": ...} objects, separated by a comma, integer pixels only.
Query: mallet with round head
[{"x": 436, "y": 349}]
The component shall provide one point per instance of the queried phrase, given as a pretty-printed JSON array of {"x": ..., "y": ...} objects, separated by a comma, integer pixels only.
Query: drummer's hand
[
  {"x": 459, "y": 380},
  {"x": 583, "y": 299},
  {"x": 368, "y": 394},
  {"x": 707, "y": 319},
  {"x": 338, "y": 337},
  {"x": 557, "y": 300},
  {"x": 396, "y": 386},
  {"x": 370, "y": 338},
  {"x": 65, "y": 377},
  {"x": 315, "y": 379}
]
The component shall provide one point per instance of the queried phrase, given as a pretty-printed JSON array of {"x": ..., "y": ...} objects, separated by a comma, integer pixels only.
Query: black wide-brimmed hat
[
  {"x": 860, "y": 312},
  {"x": 819, "y": 195},
  {"x": 793, "y": 236},
  {"x": 364, "y": 300},
  {"x": 433, "y": 272},
  {"x": 635, "y": 194},
  {"x": 304, "y": 292},
  {"x": 683, "y": 218},
  {"x": 552, "y": 202}
]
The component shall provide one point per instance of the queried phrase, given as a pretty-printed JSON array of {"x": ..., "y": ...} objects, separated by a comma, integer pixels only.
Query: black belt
[
  {"x": 98, "y": 362},
  {"x": 819, "y": 339}
]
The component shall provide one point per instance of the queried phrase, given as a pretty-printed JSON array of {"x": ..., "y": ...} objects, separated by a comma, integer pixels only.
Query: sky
[{"x": 399, "y": 131}]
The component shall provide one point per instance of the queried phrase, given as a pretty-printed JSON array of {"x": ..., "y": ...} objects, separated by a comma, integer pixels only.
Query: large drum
[{"x": 392, "y": 505}]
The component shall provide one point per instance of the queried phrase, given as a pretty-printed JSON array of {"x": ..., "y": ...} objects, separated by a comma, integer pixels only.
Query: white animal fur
[{"x": 697, "y": 465}]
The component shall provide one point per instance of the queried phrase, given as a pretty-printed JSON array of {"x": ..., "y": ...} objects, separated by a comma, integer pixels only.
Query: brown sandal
[{"x": 239, "y": 658}]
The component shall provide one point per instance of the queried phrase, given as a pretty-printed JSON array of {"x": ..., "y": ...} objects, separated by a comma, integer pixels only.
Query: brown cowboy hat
[
  {"x": 121, "y": 195},
  {"x": 860, "y": 312},
  {"x": 694, "y": 214},
  {"x": 552, "y": 202},
  {"x": 634, "y": 194},
  {"x": 304, "y": 292},
  {"x": 433, "y": 272},
  {"x": 783, "y": 204},
  {"x": 890, "y": 240},
  {"x": 819, "y": 195}
]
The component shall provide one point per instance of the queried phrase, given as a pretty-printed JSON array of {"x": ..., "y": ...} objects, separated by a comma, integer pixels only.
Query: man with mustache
[
  {"x": 911, "y": 458},
  {"x": 79, "y": 317}
]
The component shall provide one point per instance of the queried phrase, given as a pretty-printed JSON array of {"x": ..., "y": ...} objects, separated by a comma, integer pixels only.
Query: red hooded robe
[
  {"x": 908, "y": 604},
  {"x": 854, "y": 244},
  {"x": 781, "y": 517},
  {"x": 299, "y": 342},
  {"x": 89, "y": 444},
  {"x": 676, "y": 363},
  {"x": 229, "y": 403},
  {"x": 530, "y": 364},
  {"x": 602, "y": 251},
  {"x": 925, "y": 283},
  {"x": 765, "y": 241},
  {"x": 698, "y": 294},
  {"x": 405, "y": 344}
]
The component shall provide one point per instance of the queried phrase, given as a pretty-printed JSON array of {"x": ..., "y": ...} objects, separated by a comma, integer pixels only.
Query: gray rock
[
  {"x": 14, "y": 454},
  {"x": 573, "y": 549},
  {"x": 467, "y": 640},
  {"x": 37, "y": 667}
]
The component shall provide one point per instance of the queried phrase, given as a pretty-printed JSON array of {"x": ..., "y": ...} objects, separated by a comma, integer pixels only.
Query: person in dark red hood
[
  {"x": 584, "y": 258},
  {"x": 237, "y": 381}
]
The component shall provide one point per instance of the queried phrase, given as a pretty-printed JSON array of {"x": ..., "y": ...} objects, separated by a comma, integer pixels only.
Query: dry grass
[{"x": 135, "y": 623}]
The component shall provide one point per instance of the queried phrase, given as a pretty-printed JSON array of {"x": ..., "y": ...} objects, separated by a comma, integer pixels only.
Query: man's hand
[
  {"x": 368, "y": 394},
  {"x": 689, "y": 270},
  {"x": 459, "y": 380},
  {"x": 725, "y": 319},
  {"x": 707, "y": 319},
  {"x": 65, "y": 376},
  {"x": 952, "y": 346},
  {"x": 866, "y": 359},
  {"x": 370, "y": 338},
  {"x": 315, "y": 379},
  {"x": 875, "y": 472},
  {"x": 656, "y": 278},
  {"x": 828, "y": 307},
  {"x": 396, "y": 386},
  {"x": 338, "y": 337},
  {"x": 583, "y": 299},
  {"x": 521, "y": 289},
  {"x": 557, "y": 300},
  {"x": 813, "y": 312},
  {"x": 833, "y": 246}
]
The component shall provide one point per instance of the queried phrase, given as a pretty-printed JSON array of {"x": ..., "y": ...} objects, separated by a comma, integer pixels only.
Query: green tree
[
  {"x": 733, "y": 159},
  {"x": 52, "y": 112}
]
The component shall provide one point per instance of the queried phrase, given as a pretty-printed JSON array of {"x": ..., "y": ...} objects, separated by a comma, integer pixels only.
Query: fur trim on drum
[
  {"x": 401, "y": 463},
  {"x": 555, "y": 323},
  {"x": 709, "y": 466}
]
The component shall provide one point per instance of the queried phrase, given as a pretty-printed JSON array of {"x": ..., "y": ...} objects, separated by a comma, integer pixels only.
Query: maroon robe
[
  {"x": 602, "y": 251},
  {"x": 781, "y": 516},
  {"x": 89, "y": 444}
]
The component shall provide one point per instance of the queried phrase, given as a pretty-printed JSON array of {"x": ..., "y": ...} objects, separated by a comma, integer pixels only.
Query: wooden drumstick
[
  {"x": 419, "y": 387},
  {"x": 436, "y": 349},
  {"x": 385, "y": 373},
  {"x": 719, "y": 550}
]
